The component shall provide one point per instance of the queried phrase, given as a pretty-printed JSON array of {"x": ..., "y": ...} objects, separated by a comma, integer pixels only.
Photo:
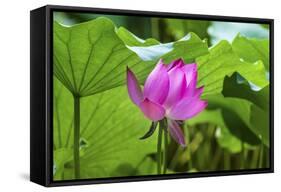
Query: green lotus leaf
[
  {"x": 252, "y": 50},
  {"x": 111, "y": 138},
  {"x": 90, "y": 62}
]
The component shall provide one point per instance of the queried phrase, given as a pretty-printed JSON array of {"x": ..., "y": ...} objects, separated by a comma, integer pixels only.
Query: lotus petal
[
  {"x": 134, "y": 88},
  {"x": 176, "y": 132},
  {"x": 156, "y": 86},
  {"x": 186, "y": 108},
  {"x": 152, "y": 110}
]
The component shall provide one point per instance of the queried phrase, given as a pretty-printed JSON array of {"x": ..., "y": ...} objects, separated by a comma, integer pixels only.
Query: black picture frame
[{"x": 41, "y": 94}]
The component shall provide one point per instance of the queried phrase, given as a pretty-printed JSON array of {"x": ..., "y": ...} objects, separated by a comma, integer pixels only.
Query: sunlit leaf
[
  {"x": 90, "y": 61},
  {"x": 90, "y": 58},
  {"x": 222, "y": 61},
  {"x": 252, "y": 50},
  {"x": 241, "y": 109},
  {"x": 112, "y": 138},
  {"x": 61, "y": 157},
  {"x": 234, "y": 88},
  {"x": 131, "y": 40},
  {"x": 258, "y": 103},
  {"x": 254, "y": 73}
]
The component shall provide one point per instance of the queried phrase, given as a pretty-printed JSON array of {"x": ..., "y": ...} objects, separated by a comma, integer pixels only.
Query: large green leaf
[
  {"x": 110, "y": 130},
  {"x": 223, "y": 61},
  {"x": 63, "y": 116},
  {"x": 252, "y": 50},
  {"x": 90, "y": 58},
  {"x": 258, "y": 103},
  {"x": 243, "y": 90},
  {"x": 254, "y": 73},
  {"x": 132, "y": 40},
  {"x": 61, "y": 157},
  {"x": 242, "y": 115},
  {"x": 187, "y": 48},
  {"x": 236, "y": 114},
  {"x": 245, "y": 112},
  {"x": 212, "y": 68},
  {"x": 213, "y": 65}
]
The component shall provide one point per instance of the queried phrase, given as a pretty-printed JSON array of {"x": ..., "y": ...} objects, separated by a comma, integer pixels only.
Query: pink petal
[
  {"x": 190, "y": 74},
  {"x": 175, "y": 63},
  {"x": 176, "y": 132},
  {"x": 189, "y": 93},
  {"x": 198, "y": 92},
  {"x": 186, "y": 108},
  {"x": 156, "y": 86},
  {"x": 134, "y": 89},
  {"x": 177, "y": 86},
  {"x": 152, "y": 110},
  {"x": 191, "y": 86}
]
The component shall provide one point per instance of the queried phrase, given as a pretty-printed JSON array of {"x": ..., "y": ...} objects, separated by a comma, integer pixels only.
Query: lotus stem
[
  {"x": 188, "y": 138},
  {"x": 242, "y": 156},
  {"x": 226, "y": 160},
  {"x": 165, "y": 163},
  {"x": 76, "y": 146},
  {"x": 261, "y": 156},
  {"x": 155, "y": 28},
  {"x": 159, "y": 149}
]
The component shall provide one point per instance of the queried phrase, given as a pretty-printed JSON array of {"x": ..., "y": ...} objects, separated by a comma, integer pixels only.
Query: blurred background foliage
[
  {"x": 166, "y": 30},
  {"x": 226, "y": 136}
]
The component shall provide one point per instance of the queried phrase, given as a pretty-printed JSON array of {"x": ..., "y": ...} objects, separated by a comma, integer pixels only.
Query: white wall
[{"x": 14, "y": 94}]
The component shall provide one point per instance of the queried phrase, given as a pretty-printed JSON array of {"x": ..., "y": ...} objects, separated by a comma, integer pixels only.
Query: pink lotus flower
[{"x": 169, "y": 92}]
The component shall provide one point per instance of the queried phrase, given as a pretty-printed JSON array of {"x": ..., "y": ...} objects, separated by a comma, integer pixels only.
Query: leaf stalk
[{"x": 76, "y": 146}]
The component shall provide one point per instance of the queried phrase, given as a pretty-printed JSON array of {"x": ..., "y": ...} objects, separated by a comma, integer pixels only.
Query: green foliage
[
  {"x": 188, "y": 48},
  {"x": 132, "y": 40},
  {"x": 180, "y": 27},
  {"x": 111, "y": 138},
  {"x": 90, "y": 61},
  {"x": 242, "y": 115},
  {"x": 90, "y": 57},
  {"x": 224, "y": 137},
  {"x": 257, "y": 118},
  {"x": 223, "y": 61},
  {"x": 252, "y": 50}
]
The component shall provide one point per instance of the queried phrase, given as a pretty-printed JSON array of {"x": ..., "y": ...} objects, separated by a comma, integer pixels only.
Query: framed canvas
[{"x": 125, "y": 95}]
